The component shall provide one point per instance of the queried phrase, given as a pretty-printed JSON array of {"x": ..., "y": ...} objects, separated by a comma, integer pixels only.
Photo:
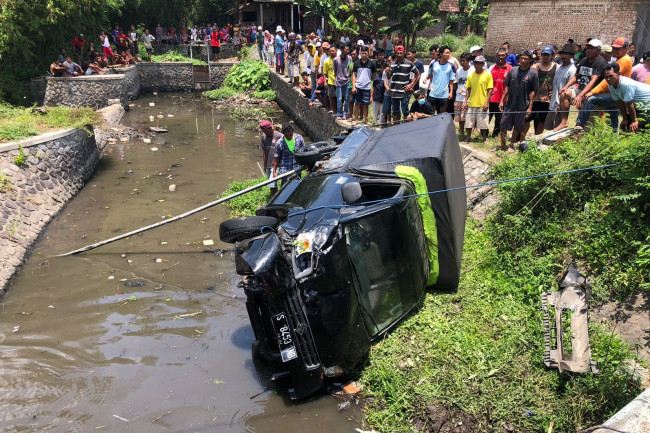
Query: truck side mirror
[{"x": 351, "y": 192}]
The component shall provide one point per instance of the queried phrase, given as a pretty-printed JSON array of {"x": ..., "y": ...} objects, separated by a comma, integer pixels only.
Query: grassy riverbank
[
  {"x": 476, "y": 355},
  {"x": 18, "y": 122}
]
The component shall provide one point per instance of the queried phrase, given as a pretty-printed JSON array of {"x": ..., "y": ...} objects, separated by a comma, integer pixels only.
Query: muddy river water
[{"x": 82, "y": 351}]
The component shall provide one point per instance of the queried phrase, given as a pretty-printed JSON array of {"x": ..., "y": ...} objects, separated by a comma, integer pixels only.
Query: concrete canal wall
[
  {"x": 126, "y": 83},
  {"x": 56, "y": 166}
]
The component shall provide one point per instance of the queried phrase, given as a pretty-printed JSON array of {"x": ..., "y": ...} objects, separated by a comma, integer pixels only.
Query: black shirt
[
  {"x": 520, "y": 83},
  {"x": 425, "y": 108}
]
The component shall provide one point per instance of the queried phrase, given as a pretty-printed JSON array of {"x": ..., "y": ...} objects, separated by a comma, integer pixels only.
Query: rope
[{"x": 497, "y": 182}]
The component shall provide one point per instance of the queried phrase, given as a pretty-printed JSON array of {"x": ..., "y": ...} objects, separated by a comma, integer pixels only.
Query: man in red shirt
[
  {"x": 78, "y": 43},
  {"x": 499, "y": 72},
  {"x": 121, "y": 42}
]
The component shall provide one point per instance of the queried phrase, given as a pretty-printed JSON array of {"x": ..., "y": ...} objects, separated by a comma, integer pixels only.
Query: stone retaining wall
[
  {"x": 56, "y": 166},
  {"x": 132, "y": 77},
  {"x": 314, "y": 121},
  {"x": 86, "y": 90},
  {"x": 166, "y": 77},
  {"x": 126, "y": 83}
]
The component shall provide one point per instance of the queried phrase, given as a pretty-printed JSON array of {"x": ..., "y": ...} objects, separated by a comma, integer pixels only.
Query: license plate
[{"x": 287, "y": 348}]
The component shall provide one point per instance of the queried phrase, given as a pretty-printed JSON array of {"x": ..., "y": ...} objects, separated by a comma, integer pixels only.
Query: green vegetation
[
  {"x": 269, "y": 95},
  {"x": 251, "y": 116},
  {"x": 5, "y": 183},
  {"x": 244, "y": 52},
  {"x": 175, "y": 56},
  {"x": 249, "y": 74},
  {"x": 247, "y": 204},
  {"x": 20, "y": 158},
  {"x": 457, "y": 44},
  {"x": 220, "y": 93},
  {"x": 17, "y": 122},
  {"x": 480, "y": 350}
]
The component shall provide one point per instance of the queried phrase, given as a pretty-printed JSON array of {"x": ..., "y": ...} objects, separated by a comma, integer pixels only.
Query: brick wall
[{"x": 524, "y": 23}]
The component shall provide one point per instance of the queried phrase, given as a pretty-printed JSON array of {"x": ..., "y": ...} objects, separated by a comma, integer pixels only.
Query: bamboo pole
[{"x": 181, "y": 216}]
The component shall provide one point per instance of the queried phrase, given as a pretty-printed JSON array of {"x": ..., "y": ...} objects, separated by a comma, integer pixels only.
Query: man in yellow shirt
[
  {"x": 479, "y": 89},
  {"x": 599, "y": 95},
  {"x": 328, "y": 73}
]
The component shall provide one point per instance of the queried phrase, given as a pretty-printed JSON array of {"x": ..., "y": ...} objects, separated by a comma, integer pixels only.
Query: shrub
[
  {"x": 247, "y": 75},
  {"x": 469, "y": 41},
  {"x": 175, "y": 56},
  {"x": 269, "y": 95},
  {"x": 219, "y": 94},
  {"x": 247, "y": 204},
  {"x": 244, "y": 53},
  {"x": 20, "y": 158}
]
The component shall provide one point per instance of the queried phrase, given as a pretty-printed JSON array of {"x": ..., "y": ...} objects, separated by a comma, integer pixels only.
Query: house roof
[{"x": 449, "y": 6}]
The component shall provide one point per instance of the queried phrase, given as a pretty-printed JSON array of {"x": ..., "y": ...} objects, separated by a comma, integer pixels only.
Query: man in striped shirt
[{"x": 405, "y": 75}]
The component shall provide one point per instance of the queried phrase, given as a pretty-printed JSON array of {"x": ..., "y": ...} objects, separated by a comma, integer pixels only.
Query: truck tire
[
  {"x": 238, "y": 229},
  {"x": 312, "y": 153}
]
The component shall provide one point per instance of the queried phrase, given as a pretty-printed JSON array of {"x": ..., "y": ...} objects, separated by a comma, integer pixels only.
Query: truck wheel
[
  {"x": 237, "y": 229},
  {"x": 312, "y": 153}
]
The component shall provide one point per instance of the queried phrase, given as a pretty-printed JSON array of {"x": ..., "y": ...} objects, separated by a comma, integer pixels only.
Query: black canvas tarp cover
[{"x": 431, "y": 146}]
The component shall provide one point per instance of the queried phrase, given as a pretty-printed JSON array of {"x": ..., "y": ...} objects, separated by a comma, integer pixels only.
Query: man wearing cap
[
  {"x": 632, "y": 98},
  {"x": 267, "y": 145},
  {"x": 259, "y": 38},
  {"x": 294, "y": 50},
  {"x": 78, "y": 43},
  {"x": 641, "y": 72},
  {"x": 546, "y": 74},
  {"x": 606, "y": 52},
  {"x": 565, "y": 71},
  {"x": 401, "y": 85},
  {"x": 599, "y": 95},
  {"x": 330, "y": 78},
  {"x": 479, "y": 89},
  {"x": 475, "y": 51},
  {"x": 285, "y": 147},
  {"x": 589, "y": 73},
  {"x": 517, "y": 101},
  {"x": 279, "y": 50}
]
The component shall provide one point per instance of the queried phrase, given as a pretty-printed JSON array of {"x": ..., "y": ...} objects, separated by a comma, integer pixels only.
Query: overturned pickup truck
[{"x": 338, "y": 258}]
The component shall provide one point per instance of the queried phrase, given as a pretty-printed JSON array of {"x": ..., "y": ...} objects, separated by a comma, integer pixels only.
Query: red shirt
[
  {"x": 214, "y": 37},
  {"x": 498, "y": 76},
  {"x": 121, "y": 39},
  {"x": 78, "y": 42}
]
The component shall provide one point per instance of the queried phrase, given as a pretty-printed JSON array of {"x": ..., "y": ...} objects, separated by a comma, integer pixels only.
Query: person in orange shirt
[{"x": 599, "y": 95}]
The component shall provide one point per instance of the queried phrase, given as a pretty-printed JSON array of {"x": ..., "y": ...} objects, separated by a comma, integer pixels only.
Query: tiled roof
[{"x": 449, "y": 6}]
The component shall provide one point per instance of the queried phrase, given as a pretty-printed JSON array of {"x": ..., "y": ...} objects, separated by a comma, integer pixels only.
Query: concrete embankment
[{"x": 56, "y": 165}]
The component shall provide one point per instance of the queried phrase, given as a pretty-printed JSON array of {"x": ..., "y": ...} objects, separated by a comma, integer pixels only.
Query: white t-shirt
[
  {"x": 461, "y": 79},
  {"x": 106, "y": 42}
]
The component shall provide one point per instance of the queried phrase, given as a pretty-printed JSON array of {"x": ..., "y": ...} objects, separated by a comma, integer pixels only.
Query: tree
[
  {"x": 474, "y": 13},
  {"x": 412, "y": 17},
  {"x": 32, "y": 33}
]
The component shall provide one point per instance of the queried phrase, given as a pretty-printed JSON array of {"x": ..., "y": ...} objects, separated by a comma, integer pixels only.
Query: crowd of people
[{"x": 535, "y": 87}]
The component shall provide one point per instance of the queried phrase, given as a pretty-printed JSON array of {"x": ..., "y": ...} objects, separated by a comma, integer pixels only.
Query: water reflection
[{"x": 173, "y": 354}]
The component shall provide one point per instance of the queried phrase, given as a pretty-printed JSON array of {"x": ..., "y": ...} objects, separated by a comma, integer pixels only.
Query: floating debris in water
[
  {"x": 153, "y": 149},
  {"x": 208, "y": 242},
  {"x": 16, "y": 329},
  {"x": 135, "y": 283},
  {"x": 172, "y": 187},
  {"x": 151, "y": 104}
]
